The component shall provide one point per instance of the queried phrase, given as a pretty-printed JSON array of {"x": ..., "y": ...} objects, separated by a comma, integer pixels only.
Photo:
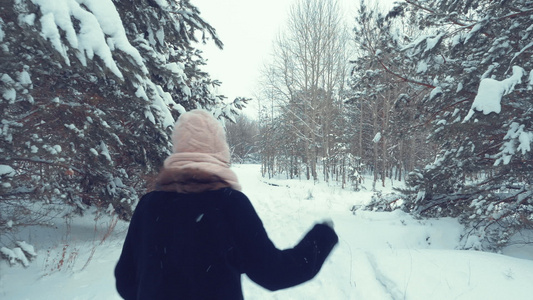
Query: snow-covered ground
[{"x": 380, "y": 255}]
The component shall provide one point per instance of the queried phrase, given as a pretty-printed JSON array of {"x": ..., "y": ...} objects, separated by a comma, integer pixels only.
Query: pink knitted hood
[{"x": 199, "y": 144}]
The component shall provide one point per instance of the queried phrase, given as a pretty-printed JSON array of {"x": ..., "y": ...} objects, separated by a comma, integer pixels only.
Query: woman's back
[
  {"x": 181, "y": 246},
  {"x": 196, "y": 246}
]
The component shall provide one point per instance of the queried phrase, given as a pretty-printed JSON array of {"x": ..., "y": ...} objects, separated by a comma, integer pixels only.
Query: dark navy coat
[{"x": 196, "y": 246}]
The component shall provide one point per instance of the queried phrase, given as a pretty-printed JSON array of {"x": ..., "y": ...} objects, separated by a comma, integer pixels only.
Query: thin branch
[{"x": 40, "y": 161}]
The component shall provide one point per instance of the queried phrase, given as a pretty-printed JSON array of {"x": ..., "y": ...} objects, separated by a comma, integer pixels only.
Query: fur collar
[{"x": 188, "y": 180}]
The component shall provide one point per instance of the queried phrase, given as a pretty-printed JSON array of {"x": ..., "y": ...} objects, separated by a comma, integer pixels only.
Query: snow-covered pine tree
[
  {"x": 89, "y": 92},
  {"x": 383, "y": 98},
  {"x": 478, "y": 56}
]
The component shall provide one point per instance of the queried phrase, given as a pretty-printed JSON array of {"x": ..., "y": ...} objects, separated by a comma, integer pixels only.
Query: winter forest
[
  {"x": 435, "y": 93},
  {"x": 424, "y": 109}
]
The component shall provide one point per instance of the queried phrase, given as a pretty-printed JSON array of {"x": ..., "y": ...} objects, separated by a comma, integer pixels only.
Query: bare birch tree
[{"x": 307, "y": 72}]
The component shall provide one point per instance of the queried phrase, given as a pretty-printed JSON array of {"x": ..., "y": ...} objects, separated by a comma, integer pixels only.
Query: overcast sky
[{"x": 247, "y": 28}]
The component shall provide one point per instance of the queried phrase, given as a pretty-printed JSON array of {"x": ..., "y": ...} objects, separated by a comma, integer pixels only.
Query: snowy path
[{"x": 379, "y": 255}]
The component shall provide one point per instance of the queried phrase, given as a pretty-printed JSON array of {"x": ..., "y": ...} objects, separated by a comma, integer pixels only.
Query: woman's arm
[{"x": 270, "y": 267}]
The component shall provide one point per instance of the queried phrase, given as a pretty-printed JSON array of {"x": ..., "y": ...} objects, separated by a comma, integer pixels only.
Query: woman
[{"x": 195, "y": 235}]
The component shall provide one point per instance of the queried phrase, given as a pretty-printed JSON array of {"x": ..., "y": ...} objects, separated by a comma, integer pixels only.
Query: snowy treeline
[
  {"x": 475, "y": 58},
  {"x": 89, "y": 90},
  {"x": 301, "y": 106},
  {"x": 439, "y": 92},
  {"x": 326, "y": 116},
  {"x": 243, "y": 138}
]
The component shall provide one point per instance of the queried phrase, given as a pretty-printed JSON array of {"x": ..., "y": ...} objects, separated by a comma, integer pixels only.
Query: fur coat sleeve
[{"x": 270, "y": 267}]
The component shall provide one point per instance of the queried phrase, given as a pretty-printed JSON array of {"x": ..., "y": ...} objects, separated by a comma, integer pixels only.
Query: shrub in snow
[
  {"x": 89, "y": 94},
  {"x": 383, "y": 202},
  {"x": 22, "y": 254}
]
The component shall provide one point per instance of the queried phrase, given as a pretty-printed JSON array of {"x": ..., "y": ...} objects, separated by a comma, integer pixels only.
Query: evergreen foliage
[
  {"x": 473, "y": 60},
  {"x": 90, "y": 90},
  {"x": 382, "y": 100}
]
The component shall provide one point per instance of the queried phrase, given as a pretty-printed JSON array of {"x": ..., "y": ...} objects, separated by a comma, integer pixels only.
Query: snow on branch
[
  {"x": 377, "y": 138},
  {"x": 491, "y": 91},
  {"x": 100, "y": 31},
  {"x": 530, "y": 84},
  {"x": 522, "y": 51},
  {"x": 2, "y": 34},
  {"x": 517, "y": 140},
  {"x": 7, "y": 171},
  {"x": 430, "y": 41},
  {"x": 23, "y": 254}
]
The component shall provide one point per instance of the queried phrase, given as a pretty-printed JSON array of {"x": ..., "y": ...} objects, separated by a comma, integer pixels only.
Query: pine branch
[
  {"x": 42, "y": 161},
  {"x": 444, "y": 199},
  {"x": 400, "y": 77}
]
